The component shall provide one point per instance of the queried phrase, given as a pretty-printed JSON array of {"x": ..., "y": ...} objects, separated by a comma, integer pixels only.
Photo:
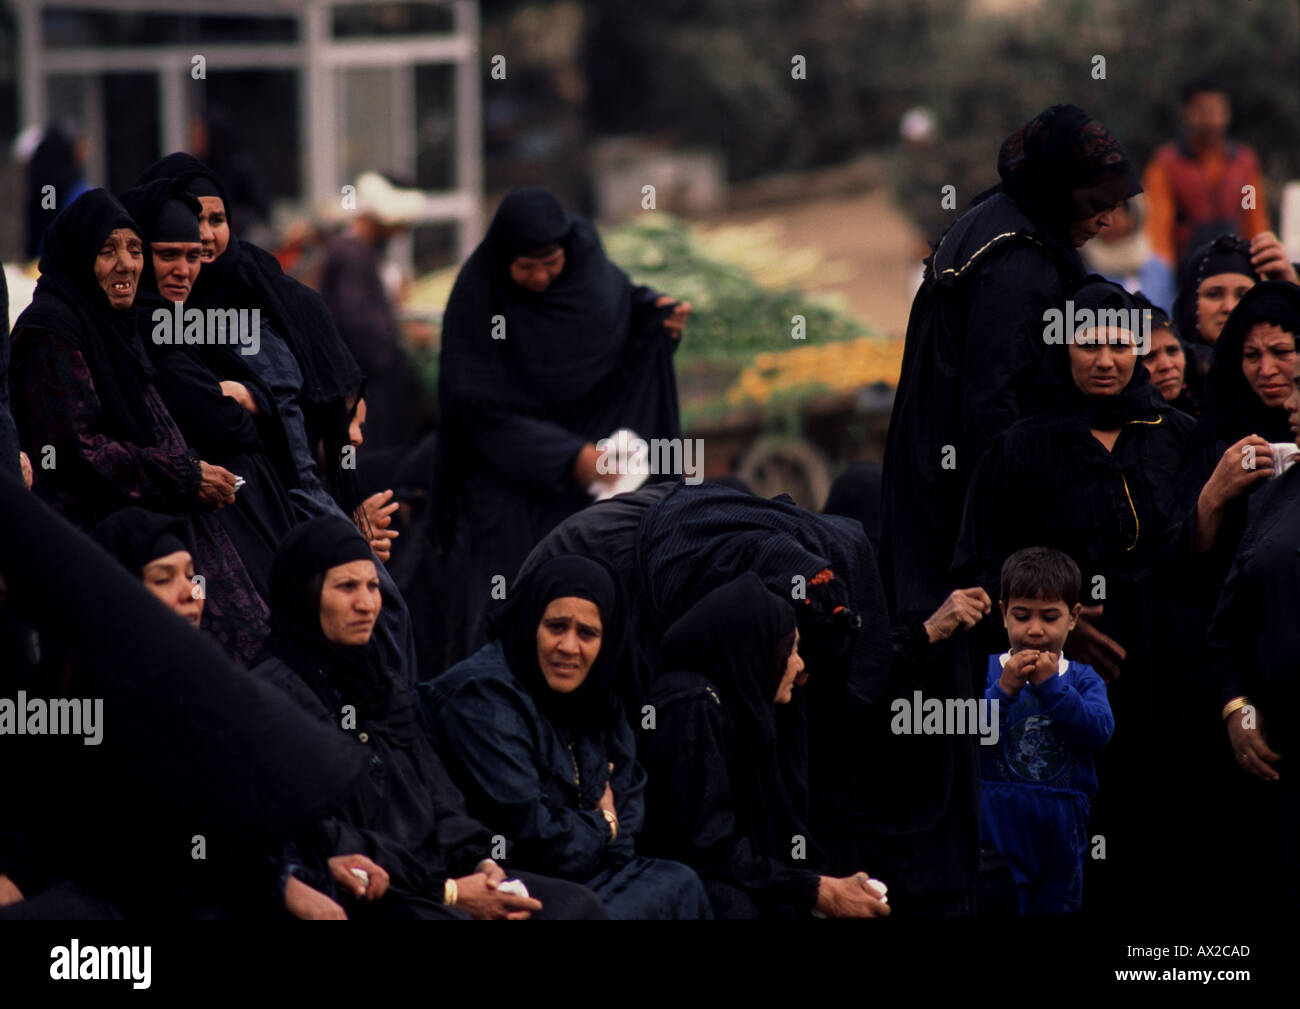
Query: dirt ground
[{"x": 873, "y": 252}]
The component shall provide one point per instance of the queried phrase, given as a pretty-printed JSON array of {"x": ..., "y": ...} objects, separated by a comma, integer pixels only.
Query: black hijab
[
  {"x": 1225, "y": 254},
  {"x": 337, "y": 674},
  {"x": 1232, "y": 409},
  {"x": 739, "y": 636},
  {"x": 591, "y": 706},
  {"x": 136, "y": 537},
  {"x": 1066, "y": 405},
  {"x": 559, "y": 344},
  {"x": 1185, "y": 401},
  {"x": 69, "y": 302},
  {"x": 165, "y": 212},
  {"x": 856, "y": 494},
  {"x": 1064, "y": 166},
  {"x": 201, "y": 742},
  {"x": 245, "y": 276}
]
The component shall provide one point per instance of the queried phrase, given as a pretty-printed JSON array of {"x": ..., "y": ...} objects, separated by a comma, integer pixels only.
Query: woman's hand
[
  {"x": 1268, "y": 256},
  {"x": 240, "y": 394},
  {"x": 479, "y": 895},
  {"x": 962, "y": 608},
  {"x": 1088, "y": 645},
  {"x": 9, "y": 892},
  {"x": 309, "y": 904},
  {"x": 1241, "y": 467},
  {"x": 607, "y": 800},
  {"x": 1238, "y": 470},
  {"x": 376, "y": 886},
  {"x": 491, "y": 870},
  {"x": 850, "y": 897},
  {"x": 377, "y": 513},
  {"x": 676, "y": 322},
  {"x": 217, "y": 487},
  {"x": 25, "y": 465},
  {"x": 584, "y": 465},
  {"x": 1249, "y": 747}
]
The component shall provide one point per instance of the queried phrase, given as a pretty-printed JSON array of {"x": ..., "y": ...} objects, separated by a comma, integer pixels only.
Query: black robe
[
  {"x": 518, "y": 400},
  {"x": 405, "y": 814},
  {"x": 975, "y": 336},
  {"x": 970, "y": 370},
  {"x": 680, "y": 542},
  {"x": 188, "y": 378},
  {"x": 192, "y": 743},
  {"x": 1254, "y": 640},
  {"x": 717, "y": 798}
]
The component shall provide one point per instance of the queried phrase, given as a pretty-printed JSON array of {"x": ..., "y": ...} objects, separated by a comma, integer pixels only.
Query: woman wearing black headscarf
[
  {"x": 679, "y": 542},
  {"x": 855, "y": 494},
  {"x": 87, "y": 408},
  {"x": 156, "y": 550},
  {"x": 1254, "y": 639},
  {"x": 406, "y": 827},
  {"x": 546, "y": 348},
  {"x": 719, "y": 798},
  {"x": 532, "y": 732},
  {"x": 195, "y": 380},
  {"x": 302, "y": 359},
  {"x": 315, "y": 385},
  {"x": 191, "y": 747},
  {"x": 1211, "y": 282},
  {"x": 975, "y": 336},
  {"x": 1102, "y": 475},
  {"x": 1167, "y": 359},
  {"x": 1242, "y": 418}
]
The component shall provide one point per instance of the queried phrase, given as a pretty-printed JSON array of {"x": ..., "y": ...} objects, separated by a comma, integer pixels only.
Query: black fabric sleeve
[
  {"x": 212, "y": 422},
  {"x": 1003, "y": 341},
  {"x": 697, "y": 816},
  {"x": 528, "y": 450}
]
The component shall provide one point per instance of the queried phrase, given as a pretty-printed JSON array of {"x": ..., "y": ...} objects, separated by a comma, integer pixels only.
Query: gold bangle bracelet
[
  {"x": 450, "y": 893},
  {"x": 1235, "y": 704},
  {"x": 612, "y": 820}
]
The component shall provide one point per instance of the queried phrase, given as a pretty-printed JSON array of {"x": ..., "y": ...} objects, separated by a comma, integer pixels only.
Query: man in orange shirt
[{"x": 1199, "y": 180}]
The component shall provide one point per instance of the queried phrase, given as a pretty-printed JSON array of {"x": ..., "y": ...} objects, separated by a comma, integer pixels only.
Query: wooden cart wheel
[{"x": 779, "y": 465}]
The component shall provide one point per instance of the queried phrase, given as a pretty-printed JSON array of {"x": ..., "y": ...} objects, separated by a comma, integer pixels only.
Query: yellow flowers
[{"x": 837, "y": 367}]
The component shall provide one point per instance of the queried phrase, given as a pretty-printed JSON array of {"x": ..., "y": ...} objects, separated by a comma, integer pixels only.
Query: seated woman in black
[
  {"x": 85, "y": 403},
  {"x": 720, "y": 797},
  {"x": 405, "y": 827},
  {"x": 205, "y": 385},
  {"x": 530, "y": 729}
]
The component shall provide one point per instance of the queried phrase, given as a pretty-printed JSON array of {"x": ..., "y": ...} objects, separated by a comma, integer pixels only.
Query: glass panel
[
  {"x": 435, "y": 126},
  {"x": 66, "y": 27}
]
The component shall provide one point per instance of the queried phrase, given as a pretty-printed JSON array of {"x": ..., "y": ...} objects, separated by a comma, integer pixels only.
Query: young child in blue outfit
[{"x": 1053, "y": 715}]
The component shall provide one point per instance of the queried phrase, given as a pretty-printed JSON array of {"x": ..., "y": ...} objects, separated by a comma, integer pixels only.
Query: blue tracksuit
[{"x": 1039, "y": 779}]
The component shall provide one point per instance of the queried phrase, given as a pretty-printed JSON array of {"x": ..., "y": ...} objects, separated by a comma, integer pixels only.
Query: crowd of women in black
[{"x": 673, "y": 703}]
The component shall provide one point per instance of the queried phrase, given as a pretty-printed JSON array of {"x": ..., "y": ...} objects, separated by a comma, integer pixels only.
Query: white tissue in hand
[{"x": 515, "y": 886}]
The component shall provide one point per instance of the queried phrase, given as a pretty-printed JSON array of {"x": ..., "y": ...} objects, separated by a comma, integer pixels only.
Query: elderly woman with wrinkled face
[{"x": 87, "y": 406}]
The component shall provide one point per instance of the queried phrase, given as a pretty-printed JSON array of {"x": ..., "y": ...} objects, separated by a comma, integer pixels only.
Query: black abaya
[
  {"x": 525, "y": 381},
  {"x": 975, "y": 337}
]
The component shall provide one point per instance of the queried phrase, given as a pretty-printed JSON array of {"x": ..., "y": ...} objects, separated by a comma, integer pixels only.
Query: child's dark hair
[{"x": 1041, "y": 573}]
